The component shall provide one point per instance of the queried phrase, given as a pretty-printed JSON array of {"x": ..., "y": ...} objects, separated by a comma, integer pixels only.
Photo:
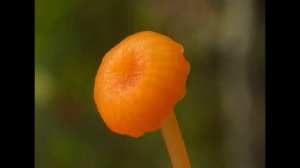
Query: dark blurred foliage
[{"x": 221, "y": 117}]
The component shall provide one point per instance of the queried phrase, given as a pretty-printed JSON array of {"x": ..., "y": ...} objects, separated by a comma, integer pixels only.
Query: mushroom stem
[{"x": 175, "y": 144}]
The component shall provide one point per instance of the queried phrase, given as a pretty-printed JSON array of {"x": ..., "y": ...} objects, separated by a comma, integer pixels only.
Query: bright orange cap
[{"x": 139, "y": 82}]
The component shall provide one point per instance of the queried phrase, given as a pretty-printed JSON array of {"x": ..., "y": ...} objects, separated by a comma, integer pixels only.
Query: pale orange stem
[{"x": 175, "y": 144}]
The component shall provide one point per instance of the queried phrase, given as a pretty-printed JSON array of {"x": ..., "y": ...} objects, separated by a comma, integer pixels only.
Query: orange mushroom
[{"x": 137, "y": 86}]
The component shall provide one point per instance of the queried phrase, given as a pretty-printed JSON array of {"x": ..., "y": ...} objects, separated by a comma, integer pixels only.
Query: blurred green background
[{"x": 222, "y": 116}]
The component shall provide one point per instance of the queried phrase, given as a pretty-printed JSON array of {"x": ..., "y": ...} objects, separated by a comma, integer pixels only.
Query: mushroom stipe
[{"x": 137, "y": 85}]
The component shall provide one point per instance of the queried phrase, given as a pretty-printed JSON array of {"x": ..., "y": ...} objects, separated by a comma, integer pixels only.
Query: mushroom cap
[{"x": 139, "y": 82}]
